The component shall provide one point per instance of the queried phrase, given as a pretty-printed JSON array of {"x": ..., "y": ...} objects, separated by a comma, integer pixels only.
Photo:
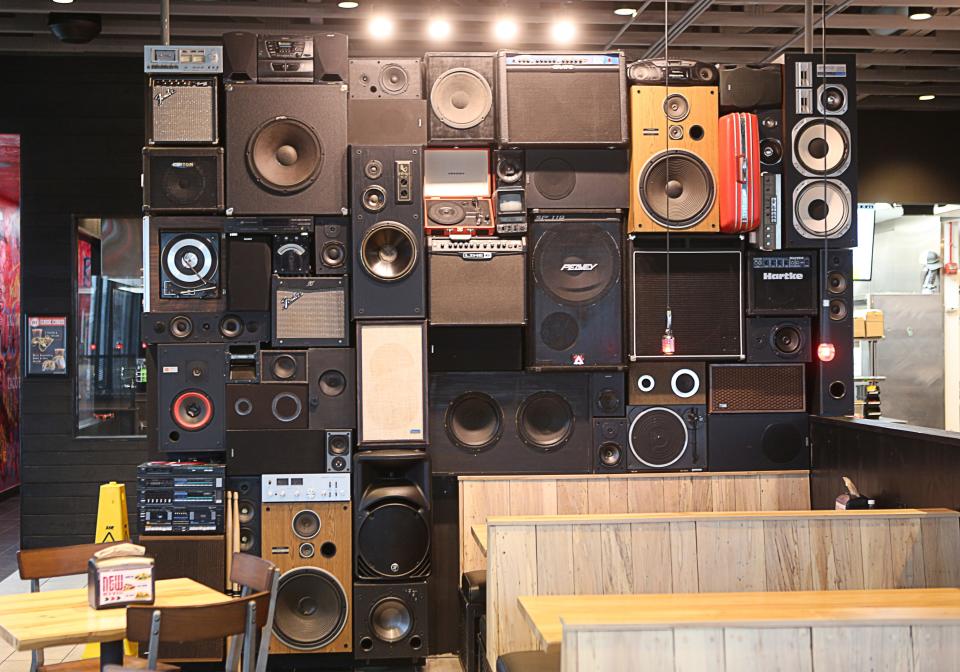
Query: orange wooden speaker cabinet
[
  {"x": 674, "y": 160},
  {"x": 310, "y": 542}
]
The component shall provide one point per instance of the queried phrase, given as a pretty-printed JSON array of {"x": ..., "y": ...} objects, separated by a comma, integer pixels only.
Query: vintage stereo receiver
[
  {"x": 459, "y": 216},
  {"x": 194, "y": 59},
  {"x": 672, "y": 72},
  {"x": 180, "y": 498}
]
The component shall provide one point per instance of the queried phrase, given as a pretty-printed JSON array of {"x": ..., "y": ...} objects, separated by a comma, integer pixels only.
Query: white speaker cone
[
  {"x": 822, "y": 208},
  {"x": 461, "y": 98},
  {"x": 821, "y": 147}
]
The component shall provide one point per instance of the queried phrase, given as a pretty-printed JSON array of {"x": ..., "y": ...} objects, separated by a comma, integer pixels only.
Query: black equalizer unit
[{"x": 180, "y": 498}]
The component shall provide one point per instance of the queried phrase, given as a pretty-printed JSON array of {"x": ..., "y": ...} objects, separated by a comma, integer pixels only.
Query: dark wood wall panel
[{"x": 81, "y": 124}]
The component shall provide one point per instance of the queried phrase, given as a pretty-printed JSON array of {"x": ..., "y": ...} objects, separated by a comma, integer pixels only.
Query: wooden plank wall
[
  {"x": 81, "y": 124},
  {"x": 916, "y": 648},
  {"x": 484, "y": 496},
  {"x": 669, "y": 554}
]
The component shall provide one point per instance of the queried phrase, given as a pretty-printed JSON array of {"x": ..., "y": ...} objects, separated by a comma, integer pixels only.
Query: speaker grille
[
  {"x": 392, "y": 400},
  {"x": 310, "y": 312},
  {"x": 183, "y": 111},
  {"x": 177, "y": 180},
  {"x": 706, "y": 297},
  {"x": 311, "y": 608},
  {"x": 394, "y": 542},
  {"x": 746, "y": 388}
]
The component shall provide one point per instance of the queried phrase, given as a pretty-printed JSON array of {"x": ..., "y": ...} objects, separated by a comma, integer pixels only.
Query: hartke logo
[
  {"x": 574, "y": 268},
  {"x": 783, "y": 276}
]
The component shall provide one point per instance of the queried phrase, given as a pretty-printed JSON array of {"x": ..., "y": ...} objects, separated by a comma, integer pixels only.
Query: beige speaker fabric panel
[{"x": 392, "y": 382}]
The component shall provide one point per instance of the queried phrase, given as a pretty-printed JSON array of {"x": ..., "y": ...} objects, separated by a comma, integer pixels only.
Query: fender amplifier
[
  {"x": 310, "y": 311},
  {"x": 182, "y": 111}
]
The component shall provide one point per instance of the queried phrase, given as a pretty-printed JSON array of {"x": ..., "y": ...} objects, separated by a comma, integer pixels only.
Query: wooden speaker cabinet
[
  {"x": 311, "y": 544},
  {"x": 674, "y": 160}
]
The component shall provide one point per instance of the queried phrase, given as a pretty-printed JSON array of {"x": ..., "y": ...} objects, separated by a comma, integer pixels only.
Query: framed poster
[{"x": 46, "y": 350}]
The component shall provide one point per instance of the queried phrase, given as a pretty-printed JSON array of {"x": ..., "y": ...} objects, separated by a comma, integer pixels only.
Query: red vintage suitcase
[{"x": 739, "y": 184}]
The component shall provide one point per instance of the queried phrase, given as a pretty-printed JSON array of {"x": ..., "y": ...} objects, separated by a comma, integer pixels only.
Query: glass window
[{"x": 111, "y": 359}]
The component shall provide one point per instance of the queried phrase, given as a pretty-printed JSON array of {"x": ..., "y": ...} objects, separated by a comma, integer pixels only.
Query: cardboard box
[
  {"x": 874, "y": 323},
  {"x": 859, "y": 327}
]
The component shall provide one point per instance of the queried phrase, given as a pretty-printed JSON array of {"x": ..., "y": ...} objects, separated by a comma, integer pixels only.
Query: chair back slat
[
  {"x": 46, "y": 563},
  {"x": 253, "y": 572},
  {"x": 196, "y": 623}
]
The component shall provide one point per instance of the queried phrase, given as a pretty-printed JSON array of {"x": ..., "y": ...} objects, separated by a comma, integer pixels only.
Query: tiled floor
[{"x": 9, "y": 534}]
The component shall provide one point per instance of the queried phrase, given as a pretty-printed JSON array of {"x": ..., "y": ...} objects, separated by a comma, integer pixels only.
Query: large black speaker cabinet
[
  {"x": 667, "y": 438},
  {"x": 460, "y": 87},
  {"x": 392, "y": 521},
  {"x": 820, "y": 163},
  {"x": 388, "y": 254},
  {"x": 286, "y": 149},
  {"x": 391, "y": 621},
  {"x": 251, "y": 452},
  {"x": 475, "y": 349},
  {"x": 332, "y": 378},
  {"x": 510, "y": 423},
  {"x": 248, "y": 511},
  {"x": 833, "y": 393},
  {"x": 575, "y": 305},
  {"x": 190, "y": 401},
  {"x": 778, "y": 339},
  {"x": 577, "y": 178},
  {"x": 554, "y": 98},
  {"x": 182, "y": 180},
  {"x": 759, "y": 442},
  {"x": 706, "y": 297}
]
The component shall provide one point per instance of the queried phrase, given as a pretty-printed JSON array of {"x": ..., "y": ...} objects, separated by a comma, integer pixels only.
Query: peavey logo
[
  {"x": 576, "y": 268},
  {"x": 783, "y": 276},
  {"x": 290, "y": 299}
]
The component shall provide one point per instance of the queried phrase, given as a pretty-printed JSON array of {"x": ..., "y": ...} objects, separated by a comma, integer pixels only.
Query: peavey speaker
[
  {"x": 706, "y": 297},
  {"x": 331, "y": 246},
  {"x": 205, "y": 327},
  {"x": 758, "y": 388},
  {"x": 338, "y": 448},
  {"x": 388, "y": 267},
  {"x": 460, "y": 87},
  {"x": 610, "y": 445},
  {"x": 820, "y": 167},
  {"x": 392, "y": 522},
  {"x": 286, "y": 149},
  {"x": 510, "y": 423},
  {"x": 667, "y": 383},
  {"x": 667, "y": 438},
  {"x": 267, "y": 406},
  {"x": 477, "y": 282},
  {"x": 310, "y": 542},
  {"x": 332, "y": 375},
  {"x": 778, "y": 339},
  {"x": 674, "y": 160},
  {"x": 392, "y": 382},
  {"x": 182, "y": 111},
  {"x": 782, "y": 283},
  {"x": 607, "y": 394},
  {"x": 577, "y": 178},
  {"x": 833, "y": 393},
  {"x": 575, "y": 304},
  {"x": 182, "y": 180},
  {"x": 745, "y": 88},
  {"x": 555, "y": 98},
  {"x": 391, "y": 620},
  {"x": 248, "y": 511},
  {"x": 310, "y": 311},
  {"x": 190, "y": 398},
  {"x": 759, "y": 442},
  {"x": 386, "y": 78}
]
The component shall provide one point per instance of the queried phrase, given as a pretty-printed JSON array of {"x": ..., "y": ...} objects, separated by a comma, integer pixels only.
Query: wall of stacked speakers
[{"x": 463, "y": 264}]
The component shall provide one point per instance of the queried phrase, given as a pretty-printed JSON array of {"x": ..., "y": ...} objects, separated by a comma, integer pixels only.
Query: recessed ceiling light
[
  {"x": 380, "y": 27},
  {"x": 439, "y": 29},
  {"x": 625, "y": 11},
  {"x": 348, "y": 4},
  {"x": 563, "y": 31},
  {"x": 926, "y": 96},
  {"x": 505, "y": 29},
  {"x": 921, "y": 13},
  {"x": 63, "y": 2}
]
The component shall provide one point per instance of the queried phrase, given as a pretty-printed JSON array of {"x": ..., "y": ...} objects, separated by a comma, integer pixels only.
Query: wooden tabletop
[
  {"x": 479, "y": 533},
  {"x": 547, "y": 615},
  {"x": 54, "y": 617}
]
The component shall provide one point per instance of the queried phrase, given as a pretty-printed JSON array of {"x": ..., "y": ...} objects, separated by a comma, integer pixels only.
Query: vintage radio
[
  {"x": 180, "y": 498},
  {"x": 672, "y": 72}
]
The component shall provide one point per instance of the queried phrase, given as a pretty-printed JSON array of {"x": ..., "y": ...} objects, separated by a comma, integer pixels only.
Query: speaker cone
[
  {"x": 339, "y": 444},
  {"x": 555, "y": 178},
  {"x": 192, "y": 410},
  {"x": 509, "y": 169},
  {"x": 388, "y": 251},
  {"x": 394, "y": 539},
  {"x": 832, "y": 98},
  {"x": 311, "y": 608},
  {"x": 283, "y": 367},
  {"x": 374, "y": 198},
  {"x": 838, "y": 310},
  {"x": 821, "y": 147},
  {"x": 676, "y": 107},
  {"x": 181, "y": 326},
  {"x": 771, "y": 151},
  {"x": 285, "y": 155},
  {"x": 676, "y": 189},
  {"x": 577, "y": 264},
  {"x": 836, "y": 282},
  {"x": 822, "y": 208},
  {"x": 306, "y": 524},
  {"x": 247, "y": 540},
  {"x": 782, "y": 442},
  {"x": 787, "y": 339},
  {"x": 183, "y": 183},
  {"x": 286, "y": 407},
  {"x": 545, "y": 421},
  {"x": 231, "y": 326},
  {"x": 394, "y": 79},
  {"x": 658, "y": 437},
  {"x": 461, "y": 98},
  {"x": 608, "y": 400},
  {"x": 333, "y": 254},
  {"x": 332, "y": 383},
  {"x": 391, "y": 620},
  {"x": 474, "y": 421},
  {"x": 610, "y": 454},
  {"x": 246, "y": 511}
]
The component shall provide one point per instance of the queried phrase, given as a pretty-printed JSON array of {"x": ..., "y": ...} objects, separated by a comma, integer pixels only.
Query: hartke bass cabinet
[
  {"x": 556, "y": 98},
  {"x": 460, "y": 87},
  {"x": 739, "y": 187}
]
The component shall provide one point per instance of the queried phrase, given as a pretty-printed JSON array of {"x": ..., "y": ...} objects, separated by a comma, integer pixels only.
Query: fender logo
[
  {"x": 290, "y": 299},
  {"x": 163, "y": 94}
]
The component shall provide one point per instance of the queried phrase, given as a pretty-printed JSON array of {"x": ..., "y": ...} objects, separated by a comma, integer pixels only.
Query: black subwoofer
[
  {"x": 758, "y": 442},
  {"x": 391, "y": 620}
]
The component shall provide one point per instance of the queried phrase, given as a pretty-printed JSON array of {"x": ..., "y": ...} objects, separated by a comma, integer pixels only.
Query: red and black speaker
[{"x": 190, "y": 401}]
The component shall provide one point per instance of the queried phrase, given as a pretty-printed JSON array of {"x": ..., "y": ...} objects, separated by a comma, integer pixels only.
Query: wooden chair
[
  {"x": 243, "y": 616},
  {"x": 47, "y": 563},
  {"x": 255, "y": 575}
]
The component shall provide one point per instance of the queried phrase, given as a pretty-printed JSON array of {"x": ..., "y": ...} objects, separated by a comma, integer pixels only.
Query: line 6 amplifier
[{"x": 180, "y": 498}]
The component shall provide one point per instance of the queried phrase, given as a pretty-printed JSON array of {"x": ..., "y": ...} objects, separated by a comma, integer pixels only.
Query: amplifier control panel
[{"x": 306, "y": 487}]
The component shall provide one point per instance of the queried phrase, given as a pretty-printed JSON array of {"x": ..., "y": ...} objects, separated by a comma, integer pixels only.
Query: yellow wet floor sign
[{"x": 112, "y": 525}]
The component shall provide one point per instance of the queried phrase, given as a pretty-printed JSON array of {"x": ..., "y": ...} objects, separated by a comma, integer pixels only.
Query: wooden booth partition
[
  {"x": 485, "y": 496},
  {"x": 709, "y": 552}
]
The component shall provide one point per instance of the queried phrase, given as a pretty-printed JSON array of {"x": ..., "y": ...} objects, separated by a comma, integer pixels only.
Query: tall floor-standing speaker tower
[
  {"x": 820, "y": 163},
  {"x": 833, "y": 393}
]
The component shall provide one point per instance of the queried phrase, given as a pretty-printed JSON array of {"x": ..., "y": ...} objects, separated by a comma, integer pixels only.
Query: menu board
[{"x": 47, "y": 346}]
